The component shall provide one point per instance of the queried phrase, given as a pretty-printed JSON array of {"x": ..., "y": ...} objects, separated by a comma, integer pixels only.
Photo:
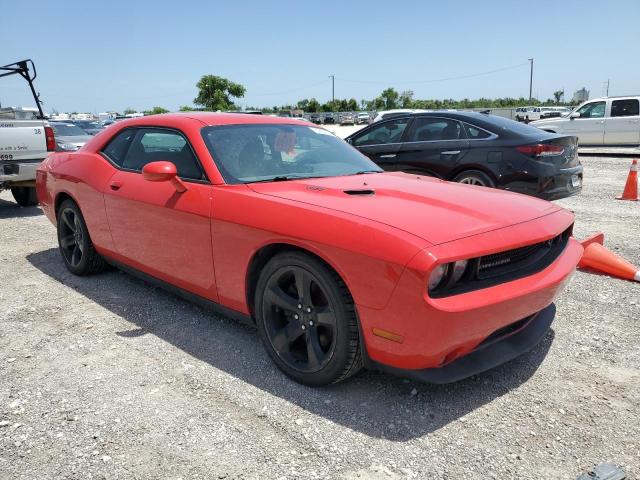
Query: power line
[{"x": 434, "y": 80}]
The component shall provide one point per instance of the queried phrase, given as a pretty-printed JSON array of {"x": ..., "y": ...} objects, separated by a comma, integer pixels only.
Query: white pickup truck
[
  {"x": 613, "y": 121},
  {"x": 25, "y": 139}
]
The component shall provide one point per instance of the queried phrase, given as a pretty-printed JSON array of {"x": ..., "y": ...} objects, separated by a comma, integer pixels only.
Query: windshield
[
  {"x": 255, "y": 153},
  {"x": 67, "y": 130}
]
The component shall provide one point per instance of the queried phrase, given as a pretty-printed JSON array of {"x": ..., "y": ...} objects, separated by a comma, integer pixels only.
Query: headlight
[
  {"x": 436, "y": 276},
  {"x": 447, "y": 275}
]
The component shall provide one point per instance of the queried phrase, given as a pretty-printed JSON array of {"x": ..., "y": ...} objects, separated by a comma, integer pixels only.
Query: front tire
[
  {"x": 475, "y": 177},
  {"x": 74, "y": 242},
  {"x": 307, "y": 321},
  {"x": 25, "y": 196}
]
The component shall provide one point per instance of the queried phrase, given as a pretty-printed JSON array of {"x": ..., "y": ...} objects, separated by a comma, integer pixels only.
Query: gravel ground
[{"x": 108, "y": 377}]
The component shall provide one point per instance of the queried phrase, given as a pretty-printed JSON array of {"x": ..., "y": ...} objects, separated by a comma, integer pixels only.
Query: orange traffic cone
[
  {"x": 597, "y": 257},
  {"x": 631, "y": 187}
]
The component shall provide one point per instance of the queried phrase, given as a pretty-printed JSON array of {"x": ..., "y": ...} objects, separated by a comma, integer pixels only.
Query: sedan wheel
[
  {"x": 307, "y": 321},
  {"x": 474, "y": 177},
  {"x": 75, "y": 245}
]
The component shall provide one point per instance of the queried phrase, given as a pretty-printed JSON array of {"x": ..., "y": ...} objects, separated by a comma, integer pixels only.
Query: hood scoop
[{"x": 360, "y": 192}]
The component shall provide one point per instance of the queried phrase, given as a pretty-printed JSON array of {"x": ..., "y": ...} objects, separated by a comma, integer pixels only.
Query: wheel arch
[
  {"x": 61, "y": 197},
  {"x": 470, "y": 168},
  {"x": 265, "y": 253}
]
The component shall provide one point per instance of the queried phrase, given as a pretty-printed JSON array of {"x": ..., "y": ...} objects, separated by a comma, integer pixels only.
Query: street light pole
[
  {"x": 333, "y": 89},
  {"x": 531, "y": 81}
]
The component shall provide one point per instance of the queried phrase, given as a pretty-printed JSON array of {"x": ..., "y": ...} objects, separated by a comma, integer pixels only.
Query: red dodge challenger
[{"x": 338, "y": 264}]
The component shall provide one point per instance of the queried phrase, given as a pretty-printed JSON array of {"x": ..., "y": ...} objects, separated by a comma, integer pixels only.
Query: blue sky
[{"x": 108, "y": 55}]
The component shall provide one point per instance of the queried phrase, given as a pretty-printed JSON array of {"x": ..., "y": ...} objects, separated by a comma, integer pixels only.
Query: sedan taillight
[
  {"x": 541, "y": 150},
  {"x": 51, "y": 139}
]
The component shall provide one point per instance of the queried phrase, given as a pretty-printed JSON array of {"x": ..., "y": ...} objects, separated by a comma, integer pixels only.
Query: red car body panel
[{"x": 383, "y": 246}]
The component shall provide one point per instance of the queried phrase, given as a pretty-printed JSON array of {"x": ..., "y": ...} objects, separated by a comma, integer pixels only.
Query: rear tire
[
  {"x": 25, "y": 196},
  {"x": 475, "y": 177},
  {"x": 74, "y": 242},
  {"x": 307, "y": 321}
]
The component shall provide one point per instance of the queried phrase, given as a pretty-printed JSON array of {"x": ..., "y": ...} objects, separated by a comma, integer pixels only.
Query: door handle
[
  {"x": 450, "y": 152},
  {"x": 389, "y": 155},
  {"x": 115, "y": 185}
]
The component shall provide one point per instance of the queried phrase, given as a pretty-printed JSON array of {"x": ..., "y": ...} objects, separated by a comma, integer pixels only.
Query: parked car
[
  {"x": 338, "y": 264},
  {"x": 475, "y": 148},
  {"x": 399, "y": 112},
  {"x": 363, "y": 118},
  {"x": 329, "y": 118},
  {"x": 25, "y": 140},
  {"x": 69, "y": 137},
  {"x": 89, "y": 126},
  {"x": 347, "y": 118},
  {"x": 601, "y": 121},
  {"x": 552, "y": 112},
  {"x": 315, "y": 118},
  {"x": 524, "y": 113}
]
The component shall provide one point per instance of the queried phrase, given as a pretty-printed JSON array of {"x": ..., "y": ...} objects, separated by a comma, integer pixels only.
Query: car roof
[{"x": 212, "y": 119}]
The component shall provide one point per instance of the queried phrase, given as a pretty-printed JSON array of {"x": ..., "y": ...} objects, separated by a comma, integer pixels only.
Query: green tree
[
  {"x": 129, "y": 110},
  {"x": 406, "y": 99},
  {"x": 313, "y": 106},
  {"x": 156, "y": 111},
  {"x": 558, "y": 94},
  {"x": 390, "y": 98},
  {"x": 215, "y": 93},
  {"x": 303, "y": 105},
  {"x": 186, "y": 108},
  {"x": 352, "y": 105}
]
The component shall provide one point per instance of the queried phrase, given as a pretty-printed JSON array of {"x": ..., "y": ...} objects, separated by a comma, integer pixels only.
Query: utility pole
[
  {"x": 531, "y": 80},
  {"x": 333, "y": 88},
  {"x": 607, "y": 88}
]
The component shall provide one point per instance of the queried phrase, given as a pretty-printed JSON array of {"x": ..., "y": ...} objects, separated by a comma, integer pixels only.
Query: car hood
[{"x": 432, "y": 209}]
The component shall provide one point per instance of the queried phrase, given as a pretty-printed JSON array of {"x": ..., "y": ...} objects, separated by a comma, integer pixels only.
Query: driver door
[
  {"x": 155, "y": 228},
  {"x": 589, "y": 126},
  {"x": 382, "y": 142}
]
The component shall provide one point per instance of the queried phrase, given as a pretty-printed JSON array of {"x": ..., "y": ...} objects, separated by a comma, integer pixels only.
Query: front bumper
[
  {"x": 489, "y": 354},
  {"x": 434, "y": 332}
]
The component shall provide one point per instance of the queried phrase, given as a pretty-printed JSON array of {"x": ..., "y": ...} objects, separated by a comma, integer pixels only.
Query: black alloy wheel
[
  {"x": 75, "y": 245},
  {"x": 307, "y": 321}
]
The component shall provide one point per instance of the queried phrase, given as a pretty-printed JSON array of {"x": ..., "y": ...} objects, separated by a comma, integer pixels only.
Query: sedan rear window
[
  {"x": 67, "y": 130},
  {"x": 267, "y": 152}
]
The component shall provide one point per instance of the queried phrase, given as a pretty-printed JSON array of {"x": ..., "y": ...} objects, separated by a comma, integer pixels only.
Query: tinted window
[
  {"x": 388, "y": 132},
  {"x": 154, "y": 145},
  {"x": 67, "y": 130},
  {"x": 625, "y": 108},
  {"x": 592, "y": 110},
  {"x": 476, "y": 133},
  {"x": 255, "y": 153},
  {"x": 117, "y": 147},
  {"x": 427, "y": 129}
]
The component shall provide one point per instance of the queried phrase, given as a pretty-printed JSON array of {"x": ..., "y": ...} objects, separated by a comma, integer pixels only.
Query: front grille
[{"x": 502, "y": 267}]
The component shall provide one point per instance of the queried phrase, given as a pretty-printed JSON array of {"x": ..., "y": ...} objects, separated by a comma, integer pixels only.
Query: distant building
[{"x": 581, "y": 95}]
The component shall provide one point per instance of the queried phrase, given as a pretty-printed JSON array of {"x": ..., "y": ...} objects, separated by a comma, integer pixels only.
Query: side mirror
[
  {"x": 163, "y": 172},
  {"x": 349, "y": 141},
  {"x": 574, "y": 115}
]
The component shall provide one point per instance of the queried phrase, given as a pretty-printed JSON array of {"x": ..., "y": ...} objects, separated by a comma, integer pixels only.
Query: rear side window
[
  {"x": 427, "y": 129},
  {"x": 475, "y": 133},
  {"x": 388, "y": 132},
  {"x": 625, "y": 108},
  {"x": 154, "y": 145},
  {"x": 117, "y": 147}
]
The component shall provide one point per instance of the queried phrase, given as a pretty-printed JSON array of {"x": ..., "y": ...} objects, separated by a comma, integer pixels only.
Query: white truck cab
[
  {"x": 613, "y": 121},
  {"x": 25, "y": 140}
]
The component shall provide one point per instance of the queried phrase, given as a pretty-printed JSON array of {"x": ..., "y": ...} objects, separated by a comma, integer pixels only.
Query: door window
[
  {"x": 388, "y": 132},
  {"x": 117, "y": 147},
  {"x": 625, "y": 108},
  {"x": 592, "y": 110},
  {"x": 154, "y": 145},
  {"x": 427, "y": 129}
]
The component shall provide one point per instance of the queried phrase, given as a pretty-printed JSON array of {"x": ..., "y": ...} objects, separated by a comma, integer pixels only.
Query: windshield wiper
[
  {"x": 285, "y": 178},
  {"x": 362, "y": 172}
]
